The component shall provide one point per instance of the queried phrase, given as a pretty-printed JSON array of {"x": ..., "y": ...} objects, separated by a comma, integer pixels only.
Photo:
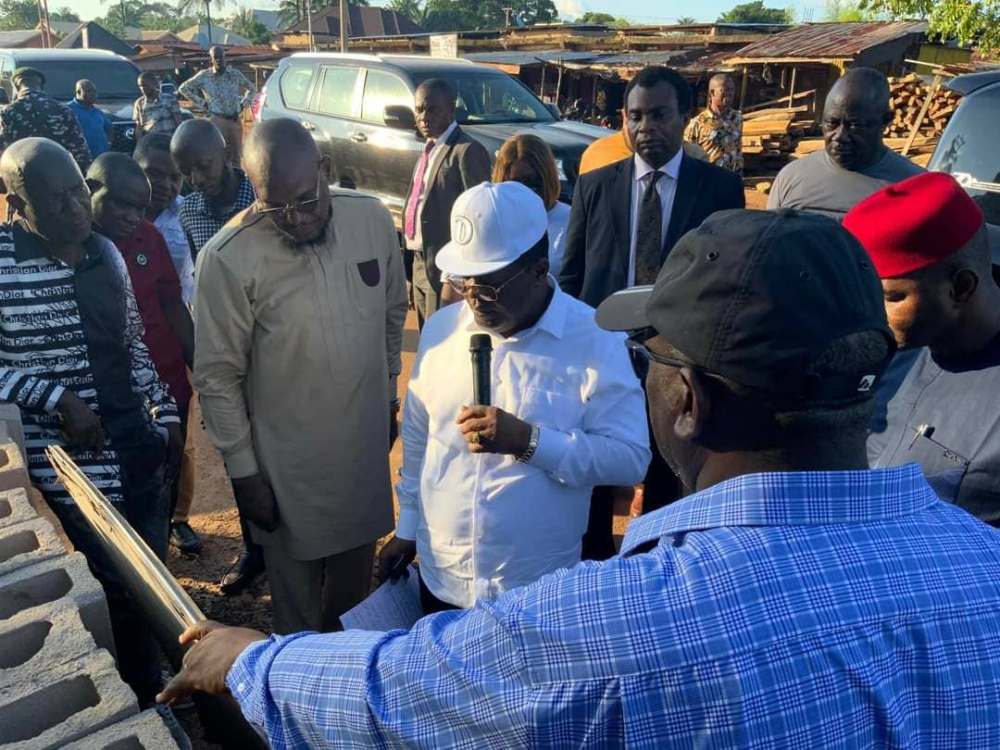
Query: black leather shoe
[
  {"x": 247, "y": 568},
  {"x": 182, "y": 536}
]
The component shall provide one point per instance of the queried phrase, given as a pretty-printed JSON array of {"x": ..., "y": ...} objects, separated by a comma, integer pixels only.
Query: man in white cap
[{"x": 494, "y": 497}]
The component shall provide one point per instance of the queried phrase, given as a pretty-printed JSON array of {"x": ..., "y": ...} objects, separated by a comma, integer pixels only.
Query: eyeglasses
[
  {"x": 481, "y": 292},
  {"x": 305, "y": 207}
]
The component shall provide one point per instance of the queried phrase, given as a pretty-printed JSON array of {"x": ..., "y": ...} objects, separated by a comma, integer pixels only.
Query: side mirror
[
  {"x": 398, "y": 117},
  {"x": 554, "y": 109},
  {"x": 4, "y": 99}
]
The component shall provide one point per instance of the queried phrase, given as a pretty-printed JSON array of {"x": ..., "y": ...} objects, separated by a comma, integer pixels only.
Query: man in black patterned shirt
[{"x": 73, "y": 360}]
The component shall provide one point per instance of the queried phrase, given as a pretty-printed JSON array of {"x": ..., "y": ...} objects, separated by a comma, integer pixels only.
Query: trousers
[
  {"x": 426, "y": 299},
  {"x": 313, "y": 594},
  {"x": 232, "y": 131}
]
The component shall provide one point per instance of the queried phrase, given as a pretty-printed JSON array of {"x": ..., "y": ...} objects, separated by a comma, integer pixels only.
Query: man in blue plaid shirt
[{"x": 795, "y": 600}]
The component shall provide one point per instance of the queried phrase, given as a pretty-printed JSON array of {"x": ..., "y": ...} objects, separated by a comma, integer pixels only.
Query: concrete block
[
  {"x": 13, "y": 469},
  {"x": 28, "y": 543},
  {"x": 143, "y": 732},
  {"x": 15, "y": 507},
  {"x": 64, "y": 578},
  {"x": 63, "y": 704},
  {"x": 10, "y": 420},
  {"x": 39, "y": 639}
]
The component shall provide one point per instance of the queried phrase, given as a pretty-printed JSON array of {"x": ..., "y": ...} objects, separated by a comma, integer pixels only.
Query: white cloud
[{"x": 570, "y": 9}]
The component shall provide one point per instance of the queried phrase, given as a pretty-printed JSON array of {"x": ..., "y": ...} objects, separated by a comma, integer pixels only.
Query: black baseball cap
[{"x": 755, "y": 296}]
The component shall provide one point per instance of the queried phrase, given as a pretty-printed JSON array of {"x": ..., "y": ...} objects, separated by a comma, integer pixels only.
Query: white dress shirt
[
  {"x": 558, "y": 223},
  {"x": 485, "y": 523},
  {"x": 666, "y": 187},
  {"x": 169, "y": 224},
  {"x": 435, "y": 156}
]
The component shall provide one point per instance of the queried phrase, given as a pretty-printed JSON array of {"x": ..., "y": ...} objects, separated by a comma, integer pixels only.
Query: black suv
[
  {"x": 360, "y": 111},
  {"x": 968, "y": 149},
  {"x": 114, "y": 76}
]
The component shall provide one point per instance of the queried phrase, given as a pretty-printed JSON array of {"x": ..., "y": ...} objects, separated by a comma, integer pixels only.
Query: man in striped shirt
[{"x": 72, "y": 358}]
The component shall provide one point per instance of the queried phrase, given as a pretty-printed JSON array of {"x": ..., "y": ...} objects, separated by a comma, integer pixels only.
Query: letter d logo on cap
[{"x": 461, "y": 231}]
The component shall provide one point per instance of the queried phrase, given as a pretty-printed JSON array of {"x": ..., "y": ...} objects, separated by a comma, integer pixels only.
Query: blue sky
[{"x": 637, "y": 11}]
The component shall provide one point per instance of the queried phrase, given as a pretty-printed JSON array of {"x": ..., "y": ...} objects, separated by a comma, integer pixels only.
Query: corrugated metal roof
[
  {"x": 838, "y": 41},
  {"x": 18, "y": 36},
  {"x": 515, "y": 57}
]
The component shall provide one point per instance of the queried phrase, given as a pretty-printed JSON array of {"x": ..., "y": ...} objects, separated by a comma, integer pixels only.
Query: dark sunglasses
[{"x": 640, "y": 355}]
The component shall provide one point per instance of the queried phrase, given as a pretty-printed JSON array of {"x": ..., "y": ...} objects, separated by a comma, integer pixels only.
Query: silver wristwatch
[{"x": 529, "y": 452}]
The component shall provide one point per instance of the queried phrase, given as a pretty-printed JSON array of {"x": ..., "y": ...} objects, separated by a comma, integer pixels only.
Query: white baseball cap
[{"x": 492, "y": 225}]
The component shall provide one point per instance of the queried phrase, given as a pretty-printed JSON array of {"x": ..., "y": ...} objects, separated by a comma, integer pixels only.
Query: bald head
[
  {"x": 860, "y": 84},
  {"x": 119, "y": 194},
  {"x": 854, "y": 115},
  {"x": 218, "y": 57},
  {"x": 29, "y": 161},
  {"x": 277, "y": 148},
  {"x": 283, "y": 163},
  {"x": 200, "y": 153},
  {"x": 45, "y": 188},
  {"x": 721, "y": 93},
  {"x": 86, "y": 92}
]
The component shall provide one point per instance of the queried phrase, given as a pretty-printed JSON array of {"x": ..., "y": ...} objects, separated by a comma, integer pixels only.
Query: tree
[
  {"x": 244, "y": 24},
  {"x": 408, "y": 9},
  {"x": 968, "y": 21},
  {"x": 18, "y": 14},
  {"x": 686, "y": 21},
  {"x": 194, "y": 7},
  {"x": 600, "y": 19},
  {"x": 848, "y": 11},
  {"x": 755, "y": 12},
  {"x": 64, "y": 14}
]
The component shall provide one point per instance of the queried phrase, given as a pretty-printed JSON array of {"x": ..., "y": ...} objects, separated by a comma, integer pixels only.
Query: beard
[{"x": 292, "y": 243}]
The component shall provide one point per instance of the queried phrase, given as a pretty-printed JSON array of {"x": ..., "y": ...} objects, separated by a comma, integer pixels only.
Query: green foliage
[
  {"x": 159, "y": 16},
  {"x": 849, "y": 11},
  {"x": 602, "y": 18},
  {"x": 968, "y": 21},
  {"x": 686, "y": 21},
  {"x": 755, "y": 12},
  {"x": 18, "y": 14},
  {"x": 64, "y": 14},
  {"x": 411, "y": 9},
  {"x": 244, "y": 24}
]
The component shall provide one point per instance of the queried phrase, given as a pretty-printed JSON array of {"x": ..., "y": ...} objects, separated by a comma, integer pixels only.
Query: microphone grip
[{"x": 481, "y": 386}]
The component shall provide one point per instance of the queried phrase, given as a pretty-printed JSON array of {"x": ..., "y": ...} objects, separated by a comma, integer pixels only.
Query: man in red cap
[{"x": 938, "y": 404}]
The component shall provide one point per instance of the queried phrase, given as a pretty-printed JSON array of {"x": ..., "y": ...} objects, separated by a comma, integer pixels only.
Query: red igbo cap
[{"x": 914, "y": 223}]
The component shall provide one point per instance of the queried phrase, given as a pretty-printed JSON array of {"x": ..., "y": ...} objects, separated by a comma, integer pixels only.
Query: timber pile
[
  {"x": 909, "y": 95},
  {"x": 770, "y": 135}
]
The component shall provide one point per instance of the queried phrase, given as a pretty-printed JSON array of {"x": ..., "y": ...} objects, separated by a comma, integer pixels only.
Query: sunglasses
[{"x": 482, "y": 292}]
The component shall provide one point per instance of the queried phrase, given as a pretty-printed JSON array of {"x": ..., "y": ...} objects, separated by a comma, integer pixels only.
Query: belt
[{"x": 234, "y": 118}]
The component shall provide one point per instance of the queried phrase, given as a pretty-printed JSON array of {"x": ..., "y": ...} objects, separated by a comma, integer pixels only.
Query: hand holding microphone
[{"x": 486, "y": 428}]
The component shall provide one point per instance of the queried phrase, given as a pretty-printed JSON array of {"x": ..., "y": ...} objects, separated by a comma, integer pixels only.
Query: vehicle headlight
[{"x": 561, "y": 171}]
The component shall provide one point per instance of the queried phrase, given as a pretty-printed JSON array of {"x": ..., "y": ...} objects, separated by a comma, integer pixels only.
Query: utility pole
[
  {"x": 343, "y": 25},
  {"x": 309, "y": 25},
  {"x": 506, "y": 16}
]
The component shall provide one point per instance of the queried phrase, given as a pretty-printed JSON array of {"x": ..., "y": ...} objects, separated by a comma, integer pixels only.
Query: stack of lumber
[
  {"x": 770, "y": 135},
  {"x": 909, "y": 95}
]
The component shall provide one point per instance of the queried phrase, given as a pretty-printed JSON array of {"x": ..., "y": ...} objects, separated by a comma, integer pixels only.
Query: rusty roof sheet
[{"x": 826, "y": 41}]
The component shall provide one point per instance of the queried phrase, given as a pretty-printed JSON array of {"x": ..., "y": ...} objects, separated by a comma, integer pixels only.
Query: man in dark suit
[
  {"x": 626, "y": 218},
  {"x": 450, "y": 164},
  {"x": 618, "y": 236}
]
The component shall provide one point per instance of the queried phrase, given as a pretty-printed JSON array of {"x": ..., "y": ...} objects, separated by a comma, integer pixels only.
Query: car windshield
[
  {"x": 969, "y": 152},
  {"x": 115, "y": 79},
  {"x": 491, "y": 97}
]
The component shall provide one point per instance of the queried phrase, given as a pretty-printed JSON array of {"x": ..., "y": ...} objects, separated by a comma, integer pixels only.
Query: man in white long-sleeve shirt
[{"x": 495, "y": 497}]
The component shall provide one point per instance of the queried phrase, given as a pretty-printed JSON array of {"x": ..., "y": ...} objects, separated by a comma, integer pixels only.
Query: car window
[
  {"x": 115, "y": 78},
  {"x": 492, "y": 97},
  {"x": 382, "y": 90},
  {"x": 295, "y": 87},
  {"x": 336, "y": 97},
  {"x": 969, "y": 152}
]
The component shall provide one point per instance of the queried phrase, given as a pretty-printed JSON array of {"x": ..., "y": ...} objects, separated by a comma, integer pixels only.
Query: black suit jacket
[
  {"x": 598, "y": 239},
  {"x": 464, "y": 164}
]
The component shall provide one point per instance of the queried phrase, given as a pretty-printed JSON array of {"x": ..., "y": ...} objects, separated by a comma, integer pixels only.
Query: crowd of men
[{"x": 817, "y": 560}]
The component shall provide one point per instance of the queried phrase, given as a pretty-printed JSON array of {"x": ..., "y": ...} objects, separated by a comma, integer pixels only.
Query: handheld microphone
[{"x": 481, "y": 346}]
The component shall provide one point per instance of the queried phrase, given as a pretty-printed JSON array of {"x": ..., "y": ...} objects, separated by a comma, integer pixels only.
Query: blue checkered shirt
[{"x": 811, "y": 610}]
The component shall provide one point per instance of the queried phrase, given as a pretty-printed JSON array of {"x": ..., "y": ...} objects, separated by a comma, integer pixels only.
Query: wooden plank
[
  {"x": 923, "y": 112},
  {"x": 782, "y": 100}
]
